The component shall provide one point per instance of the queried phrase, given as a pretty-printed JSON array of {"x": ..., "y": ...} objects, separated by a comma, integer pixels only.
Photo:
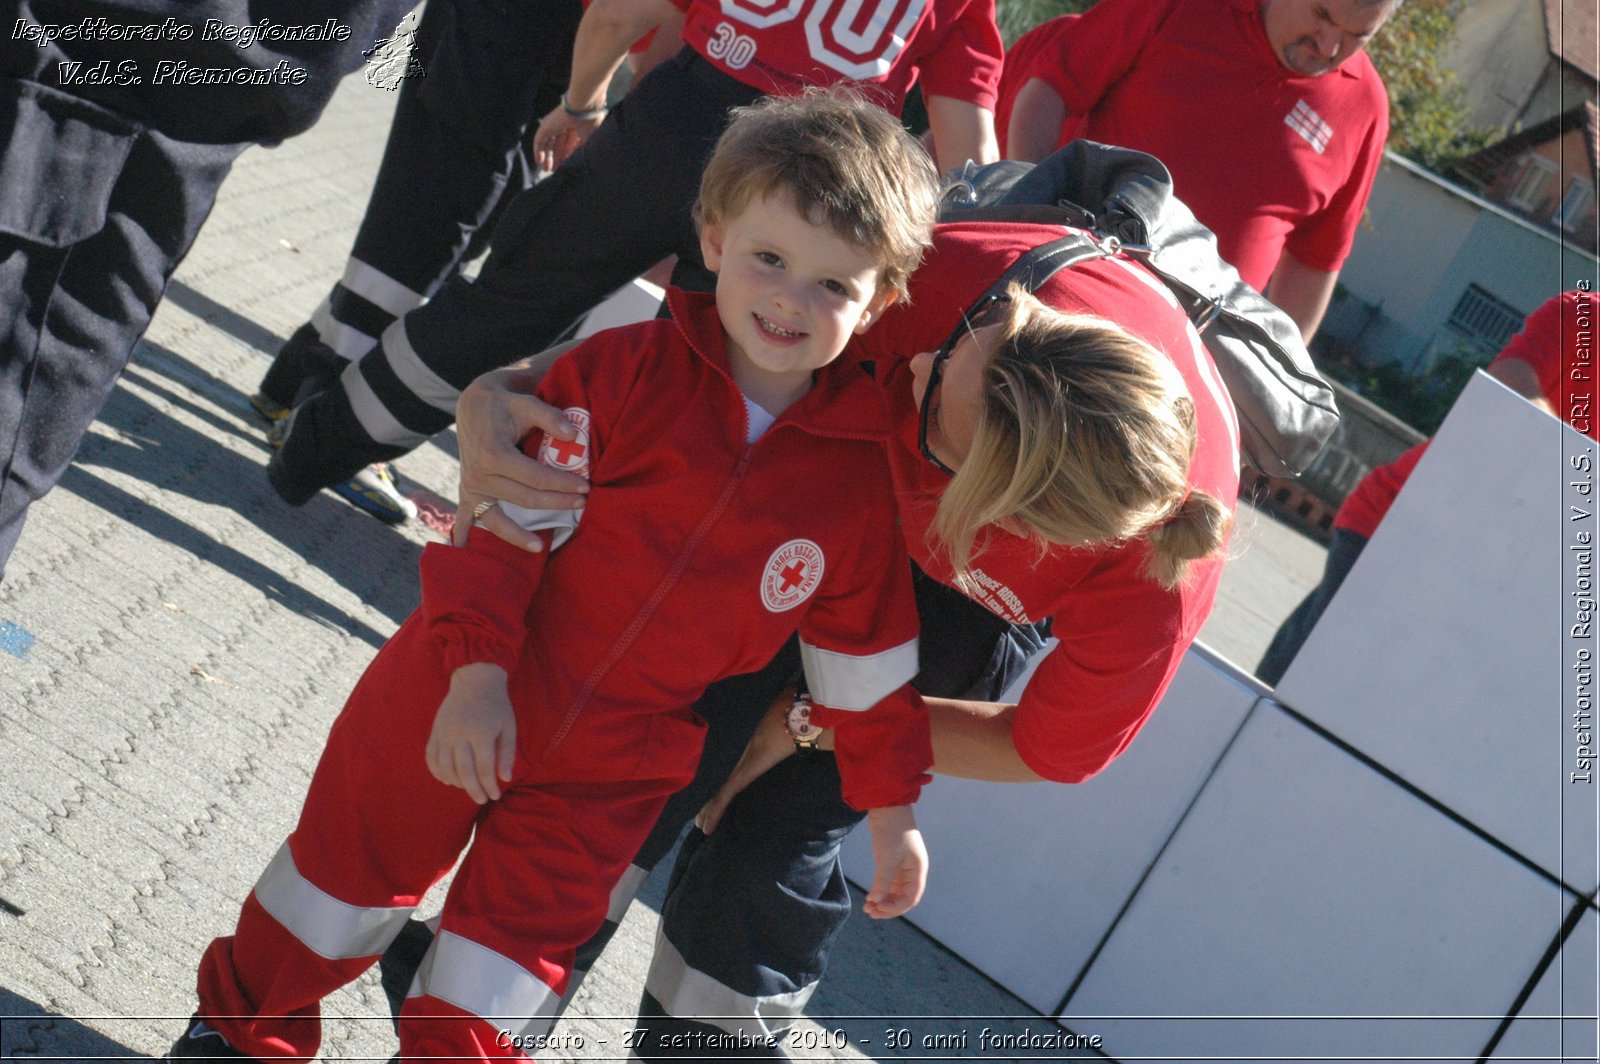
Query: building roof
[
  {"x": 1571, "y": 28},
  {"x": 1481, "y": 168}
]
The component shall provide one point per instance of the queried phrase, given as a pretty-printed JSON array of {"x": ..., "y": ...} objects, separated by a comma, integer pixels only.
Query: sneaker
[
  {"x": 200, "y": 1042},
  {"x": 373, "y": 491},
  {"x": 270, "y": 409},
  {"x": 303, "y": 367},
  {"x": 278, "y": 431}
]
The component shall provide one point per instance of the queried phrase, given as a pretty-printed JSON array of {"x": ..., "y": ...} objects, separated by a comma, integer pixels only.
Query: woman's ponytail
[{"x": 1195, "y": 530}]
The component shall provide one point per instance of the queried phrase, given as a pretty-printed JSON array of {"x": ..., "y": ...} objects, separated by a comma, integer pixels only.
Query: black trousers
[
  {"x": 1343, "y": 550},
  {"x": 490, "y": 69},
  {"x": 95, "y": 214},
  {"x": 620, "y": 204}
]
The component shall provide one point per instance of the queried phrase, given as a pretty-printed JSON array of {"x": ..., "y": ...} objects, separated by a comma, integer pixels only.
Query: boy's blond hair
[
  {"x": 848, "y": 164},
  {"x": 1084, "y": 437}
]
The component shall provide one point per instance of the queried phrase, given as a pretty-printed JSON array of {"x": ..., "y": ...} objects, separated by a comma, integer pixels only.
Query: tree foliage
[
  {"x": 1428, "y": 115},
  {"x": 1017, "y": 17}
]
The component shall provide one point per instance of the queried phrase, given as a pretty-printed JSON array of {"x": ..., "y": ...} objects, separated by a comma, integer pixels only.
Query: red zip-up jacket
[{"x": 698, "y": 554}]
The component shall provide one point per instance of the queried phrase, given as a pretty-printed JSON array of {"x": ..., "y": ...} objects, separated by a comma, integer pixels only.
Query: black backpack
[{"x": 1124, "y": 198}]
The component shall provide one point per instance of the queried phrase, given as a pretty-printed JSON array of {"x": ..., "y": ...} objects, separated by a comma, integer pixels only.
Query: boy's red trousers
[{"x": 378, "y": 830}]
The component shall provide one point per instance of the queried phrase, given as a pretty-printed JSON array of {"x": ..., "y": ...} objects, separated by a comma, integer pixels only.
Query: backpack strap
[{"x": 1037, "y": 266}]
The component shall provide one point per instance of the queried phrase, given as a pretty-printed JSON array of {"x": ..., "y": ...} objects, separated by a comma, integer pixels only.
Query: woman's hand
[
  {"x": 492, "y": 416},
  {"x": 901, "y": 859},
  {"x": 474, "y": 738},
  {"x": 770, "y": 744}
]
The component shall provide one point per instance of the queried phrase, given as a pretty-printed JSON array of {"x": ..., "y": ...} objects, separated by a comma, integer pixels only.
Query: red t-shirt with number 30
[{"x": 951, "y": 47}]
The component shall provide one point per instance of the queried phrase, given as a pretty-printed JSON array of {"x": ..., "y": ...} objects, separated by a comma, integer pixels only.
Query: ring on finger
[{"x": 482, "y": 508}]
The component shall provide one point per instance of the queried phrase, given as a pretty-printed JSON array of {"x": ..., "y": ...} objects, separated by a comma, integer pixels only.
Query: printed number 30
[{"x": 731, "y": 47}]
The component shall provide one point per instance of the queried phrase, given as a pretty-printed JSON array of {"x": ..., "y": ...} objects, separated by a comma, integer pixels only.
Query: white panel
[
  {"x": 1027, "y": 878},
  {"x": 1310, "y": 908},
  {"x": 1558, "y": 1021},
  {"x": 635, "y": 301},
  {"x": 1447, "y": 655}
]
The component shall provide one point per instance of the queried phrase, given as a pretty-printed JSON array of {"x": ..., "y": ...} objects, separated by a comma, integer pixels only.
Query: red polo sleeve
[{"x": 965, "y": 65}]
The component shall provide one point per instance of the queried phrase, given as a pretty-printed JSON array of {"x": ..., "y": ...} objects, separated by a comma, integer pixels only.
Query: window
[
  {"x": 1530, "y": 188},
  {"x": 1484, "y": 319},
  {"x": 1574, "y": 204},
  {"x": 1477, "y": 329}
]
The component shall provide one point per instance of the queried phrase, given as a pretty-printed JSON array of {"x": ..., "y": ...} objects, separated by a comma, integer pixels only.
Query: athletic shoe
[
  {"x": 270, "y": 410},
  {"x": 303, "y": 367},
  {"x": 373, "y": 491},
  {"x": 200, "y": 1042}
]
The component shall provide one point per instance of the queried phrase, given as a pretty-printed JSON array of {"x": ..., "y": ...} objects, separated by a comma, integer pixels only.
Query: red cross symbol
[
  {"x": 567, "y": 451},
  {"x": 793, "y": 575}
]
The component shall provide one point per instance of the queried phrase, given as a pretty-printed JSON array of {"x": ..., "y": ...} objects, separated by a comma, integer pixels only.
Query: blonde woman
[{"x": 1056, "y": 473}]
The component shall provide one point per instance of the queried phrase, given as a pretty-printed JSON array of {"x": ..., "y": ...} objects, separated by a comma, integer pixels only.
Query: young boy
[{"x": 538, "y": 703}]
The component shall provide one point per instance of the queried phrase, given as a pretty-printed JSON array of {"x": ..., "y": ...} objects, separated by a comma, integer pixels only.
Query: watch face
[{"x": 799, "y": 721}]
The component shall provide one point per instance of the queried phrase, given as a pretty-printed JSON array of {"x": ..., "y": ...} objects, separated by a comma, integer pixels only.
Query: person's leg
[
  {"x": 751, "y": 913},
  {"x": 754, "y": 908},
  {"x": 491, "y": 67},
  {"x": 1343, "y": 550},
  {"x": 97, "y": 214},
  {"x": 613, "y": 209},
  {"x": 376, "y": 831},
  {"x": 537, "y": 883}
]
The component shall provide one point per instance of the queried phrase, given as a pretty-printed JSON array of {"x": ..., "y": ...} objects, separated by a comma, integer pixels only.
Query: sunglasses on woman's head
[{"x": 981, "y": 314}]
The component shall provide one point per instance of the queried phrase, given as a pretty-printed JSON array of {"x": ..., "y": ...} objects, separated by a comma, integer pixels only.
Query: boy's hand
[
  {"x": 770, "y": 744},
  {"x": 902, "y": 861},
  {"x": 474, "y": 739}
]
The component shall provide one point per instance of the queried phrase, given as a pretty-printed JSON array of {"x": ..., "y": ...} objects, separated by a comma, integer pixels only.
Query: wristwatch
[{"x": 804, "y": 733}]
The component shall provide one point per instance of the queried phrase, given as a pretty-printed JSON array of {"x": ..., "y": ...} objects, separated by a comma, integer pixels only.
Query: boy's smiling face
[{"x": 790, "y": 293}]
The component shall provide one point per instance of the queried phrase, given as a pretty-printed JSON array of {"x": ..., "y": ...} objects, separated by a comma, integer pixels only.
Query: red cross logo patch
[
  {"x": 792, "y": 574},
  {"x": 569, "y": 455}
]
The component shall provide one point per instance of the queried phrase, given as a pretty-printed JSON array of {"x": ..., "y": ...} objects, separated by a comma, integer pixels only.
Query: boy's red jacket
[{"x": 697, "y": 554}]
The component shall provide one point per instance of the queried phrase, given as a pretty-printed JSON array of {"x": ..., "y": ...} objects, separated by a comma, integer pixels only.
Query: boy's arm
[
  {"x": 884, "y": 751},
  {"x": 858, "y": 645},
  {"x": 476, "y": 596},
  {"x": 898, "y": 852},
  {"x": 901, "y": 860},
  {"x": 474, "y": 601}
]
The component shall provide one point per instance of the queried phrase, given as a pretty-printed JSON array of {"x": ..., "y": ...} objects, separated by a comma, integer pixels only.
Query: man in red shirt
[
  {"x": 1542, "y": 364},
  {"x": 1269, "y": 116}
]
